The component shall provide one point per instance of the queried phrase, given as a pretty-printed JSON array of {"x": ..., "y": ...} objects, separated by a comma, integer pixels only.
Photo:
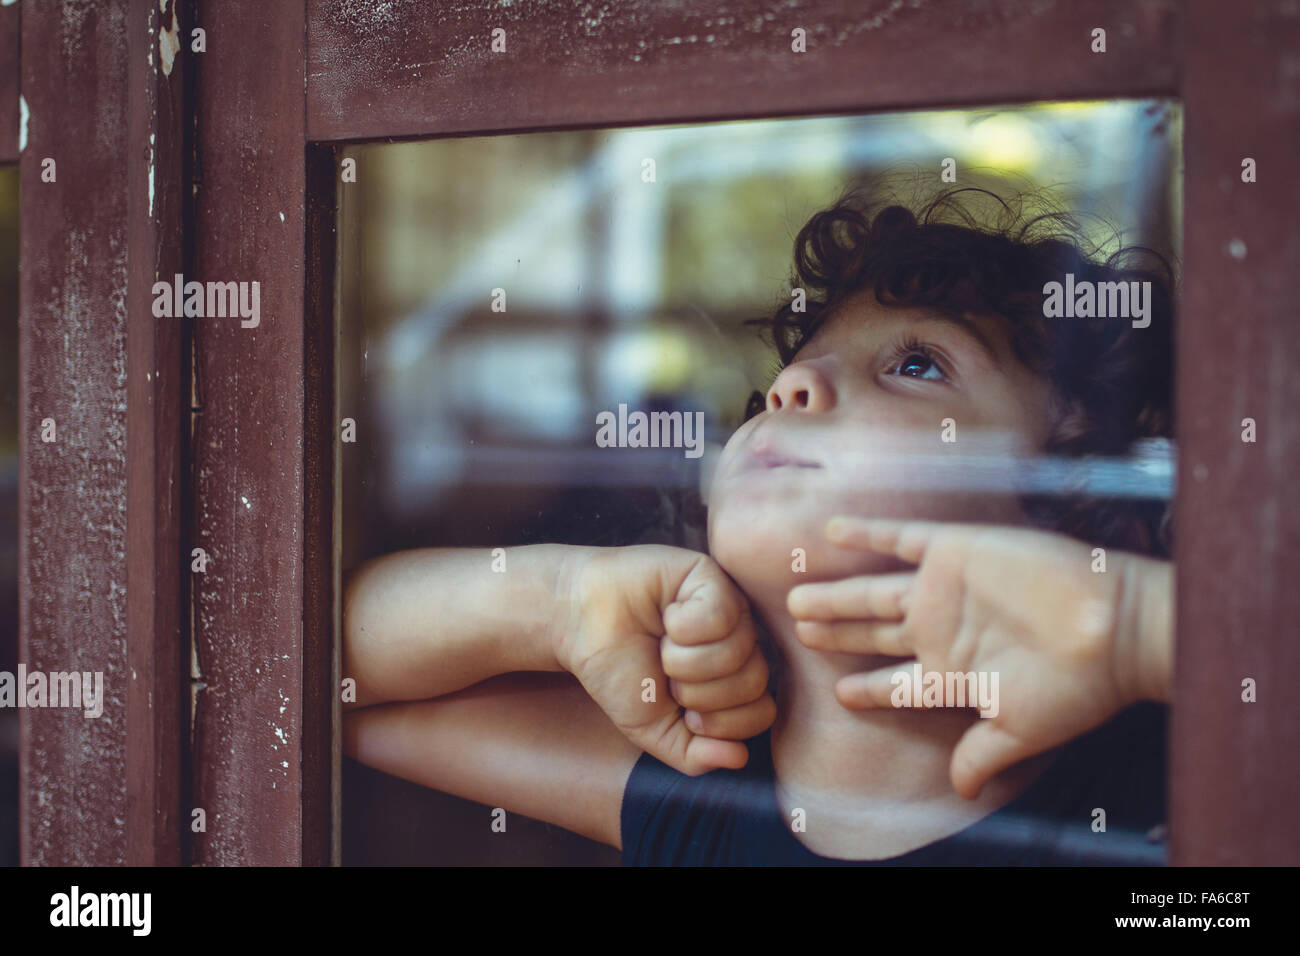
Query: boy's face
[{"x": 885, "y": 412}]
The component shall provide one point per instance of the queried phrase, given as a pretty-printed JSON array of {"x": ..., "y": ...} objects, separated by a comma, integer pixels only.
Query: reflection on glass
[{"x": 505, "y": 297}]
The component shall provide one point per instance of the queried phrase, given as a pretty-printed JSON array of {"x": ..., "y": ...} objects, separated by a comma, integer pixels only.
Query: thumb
[
  {"x": 706, "y": 608},
  {"x": 983, "y": 752},
  {"x": 655, "y": 723}
]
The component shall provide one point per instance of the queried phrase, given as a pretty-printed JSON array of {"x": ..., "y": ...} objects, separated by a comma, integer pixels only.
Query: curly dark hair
[{"x": 1113, "y": 383}]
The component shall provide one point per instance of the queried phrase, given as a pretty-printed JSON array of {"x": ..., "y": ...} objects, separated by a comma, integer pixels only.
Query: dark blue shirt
[{"x": 732, "y": 818}]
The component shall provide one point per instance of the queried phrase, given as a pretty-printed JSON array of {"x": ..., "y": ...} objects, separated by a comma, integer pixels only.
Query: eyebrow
[{"x": 966, "y": 325}]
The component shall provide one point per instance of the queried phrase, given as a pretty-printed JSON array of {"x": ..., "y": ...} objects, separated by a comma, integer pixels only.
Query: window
[{"x": 499, "y": 295}]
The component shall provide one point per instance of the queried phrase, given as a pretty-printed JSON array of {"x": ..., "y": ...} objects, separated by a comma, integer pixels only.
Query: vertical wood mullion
[
  {"x": 1234, "y": 777},
  {"x": 258, "y": 772},
  {"x": 322, "y": 752},
  {"x": 156, "y": 392},
  {"x": 99, "y": 511}
]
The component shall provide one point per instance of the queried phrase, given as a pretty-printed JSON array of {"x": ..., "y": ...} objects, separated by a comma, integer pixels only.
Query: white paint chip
[
  {"x": 282, "y": 217},
  {"x": 23, "y": 117},
  {"x": 169, "y": 44}
]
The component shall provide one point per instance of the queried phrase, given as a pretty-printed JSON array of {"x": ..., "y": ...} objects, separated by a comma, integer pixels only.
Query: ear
[{"x": 1068, "y": 423}]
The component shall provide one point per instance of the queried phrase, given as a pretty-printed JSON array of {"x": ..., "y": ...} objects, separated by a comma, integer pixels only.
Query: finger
[
  {"x": 747, "y": 684},
  {"x": 983, "y": 752},
  {"x": 873, "y": 689},
  {"x": 708, "y": 608},
  {"x": 855, "y": 637},
  {"x": 674, "y": 743},
  {"x": 851, "y": 599},
  {"x": 707, "y": 662},
  {"x": 907, "y": 540},
  {"x": 735, "y": 723}
]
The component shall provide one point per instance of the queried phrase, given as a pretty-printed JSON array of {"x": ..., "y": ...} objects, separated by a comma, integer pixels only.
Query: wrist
[
  {"x": 1156, "y": 641},
  {"x": 533, "y": 608},
  {"x": 1144, "y": 645},
  {"x": 568, "y": 601}
]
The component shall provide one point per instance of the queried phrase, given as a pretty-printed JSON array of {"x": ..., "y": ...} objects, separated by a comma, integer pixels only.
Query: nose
[{"x": 802, "y": 388}]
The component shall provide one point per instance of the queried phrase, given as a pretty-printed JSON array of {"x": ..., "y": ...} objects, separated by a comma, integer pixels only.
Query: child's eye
[{"x": 916, "y": 361}]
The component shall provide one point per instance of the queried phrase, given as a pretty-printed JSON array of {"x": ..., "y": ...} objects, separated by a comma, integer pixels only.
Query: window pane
[{"x": 510, "y": 305}]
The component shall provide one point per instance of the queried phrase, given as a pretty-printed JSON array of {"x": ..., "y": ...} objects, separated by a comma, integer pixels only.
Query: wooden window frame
[{"x": 183, "y": 434}]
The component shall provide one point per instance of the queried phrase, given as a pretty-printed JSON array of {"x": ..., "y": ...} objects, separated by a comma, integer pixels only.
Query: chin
[
  {"x": 762, "y": 547},
  {"x": 759, "y": 525}
]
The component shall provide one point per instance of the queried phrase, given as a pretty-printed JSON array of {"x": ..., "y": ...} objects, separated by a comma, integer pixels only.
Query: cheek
[{"x": 762, "y": 525}]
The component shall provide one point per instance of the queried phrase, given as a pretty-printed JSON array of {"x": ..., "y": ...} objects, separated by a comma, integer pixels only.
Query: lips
[
  {"x": 761, "y": 455},
  {"x": 771, "y": 458},
  {"x": 765, "y": 455}
]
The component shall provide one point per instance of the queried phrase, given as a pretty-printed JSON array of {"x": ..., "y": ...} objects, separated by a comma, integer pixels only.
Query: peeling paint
[
  {"x": 370, "y": 15},
  {"x": 169, "y": 41},
  {"x": 72, "y": 27},
  {"x": 23, "y": 117},
  {"x": 78, "y": 613}
]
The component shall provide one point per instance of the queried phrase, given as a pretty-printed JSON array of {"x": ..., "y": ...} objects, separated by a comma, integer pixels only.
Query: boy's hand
[
  {"x": 674, "y": 617},
  {"x": 1064, "y": 640}
]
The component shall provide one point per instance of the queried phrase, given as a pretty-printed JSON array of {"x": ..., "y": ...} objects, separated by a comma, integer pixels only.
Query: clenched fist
[{"x": 675, "y": 617}]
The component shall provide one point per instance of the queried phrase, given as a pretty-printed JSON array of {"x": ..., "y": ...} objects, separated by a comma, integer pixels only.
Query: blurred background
[{"x": 475, "y": 427}]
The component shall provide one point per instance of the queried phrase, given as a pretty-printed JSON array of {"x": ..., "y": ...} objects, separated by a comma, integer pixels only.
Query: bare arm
[
  {"x": 424, "y": 623},
  {"x": 534, "y": 744},
  {"x": 1150, "y": 628},
  {"x": 442, "y": 624}
]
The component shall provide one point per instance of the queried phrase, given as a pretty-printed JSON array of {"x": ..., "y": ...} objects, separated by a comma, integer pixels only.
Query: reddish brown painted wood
[
  {"x": 73, "y": 492},
  {"x": 1235, "y": 779},
  {"x": 9, "y": 85},
  {"x": 259, "y": 678},
  {"x": 426, "y": 68},
  {"x": 322, "y": 752},
  {"x": 156, "y": 390},
  {"x": 100, "y": 508}
]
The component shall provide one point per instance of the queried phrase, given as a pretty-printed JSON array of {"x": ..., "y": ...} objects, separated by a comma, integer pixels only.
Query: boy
[{"x": 917, "y": 330}]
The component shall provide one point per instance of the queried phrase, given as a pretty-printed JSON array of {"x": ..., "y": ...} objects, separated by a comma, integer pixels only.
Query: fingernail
[
  {"x": 694, "y": 721},
  {"x": 838, "y": 528}
]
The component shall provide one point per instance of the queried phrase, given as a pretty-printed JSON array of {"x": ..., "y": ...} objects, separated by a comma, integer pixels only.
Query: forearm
[{"x": 420, "y": 624}]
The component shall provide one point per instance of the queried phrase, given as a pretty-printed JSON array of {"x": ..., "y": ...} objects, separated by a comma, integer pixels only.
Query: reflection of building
[{"x": 617, "y": 288}]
